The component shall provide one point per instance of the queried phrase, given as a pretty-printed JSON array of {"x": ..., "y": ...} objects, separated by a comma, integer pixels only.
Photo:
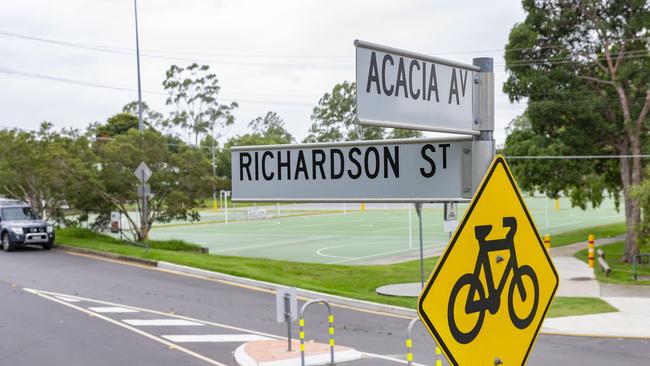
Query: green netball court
[{"x": 326, "y": 234}]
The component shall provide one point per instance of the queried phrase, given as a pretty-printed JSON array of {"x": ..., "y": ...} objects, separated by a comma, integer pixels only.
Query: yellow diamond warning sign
[{"x": 486, "y": 299}]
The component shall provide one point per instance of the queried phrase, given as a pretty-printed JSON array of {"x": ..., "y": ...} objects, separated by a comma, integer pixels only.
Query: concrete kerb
[
  {"x": 117, "y": 257},
  {"x": 336, "y": 300},
  {"x": 244, "y": 357}
]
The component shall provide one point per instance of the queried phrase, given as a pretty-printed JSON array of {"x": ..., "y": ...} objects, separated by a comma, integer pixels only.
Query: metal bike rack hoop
[{"x": 301, "y": 323}]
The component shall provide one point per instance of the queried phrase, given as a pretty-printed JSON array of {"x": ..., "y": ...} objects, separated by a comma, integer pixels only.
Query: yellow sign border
[{"x": 498, "y": 160}]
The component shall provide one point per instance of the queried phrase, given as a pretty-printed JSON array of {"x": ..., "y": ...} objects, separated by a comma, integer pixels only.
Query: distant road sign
[
  {"x": 396, "y": 88},
  {"x": 410, "y": 170},
  {"x": 143, "y": 172},
  {"x": 489, "y": 292},
  {"x": 144, "y": 190}
]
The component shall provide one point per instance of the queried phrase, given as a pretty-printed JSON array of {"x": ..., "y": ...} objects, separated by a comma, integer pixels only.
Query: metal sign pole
[
  {"x": 145, "y": 221},
  {"x": 287, "y": 319},
  {"x": 225, "y": 203},
  {"x": 418, "y": 210},
  {"x": 410, "y": 229},
  {"x": 483, "y": 145}
]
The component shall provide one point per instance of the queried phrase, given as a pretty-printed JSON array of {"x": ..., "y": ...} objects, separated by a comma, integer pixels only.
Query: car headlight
[
  {"x": 50, "y": 229},
  {"x": 17, "y": 230}
]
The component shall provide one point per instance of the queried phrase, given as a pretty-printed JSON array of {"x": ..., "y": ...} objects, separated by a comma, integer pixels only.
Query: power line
[
  {"x": 568, "y": 59},
  {"x": 575, "y": 157},
  {"x": 129, "y": 52},
  {"x": 120, "y": 88},
  {"x": 499, "y": 106},
  {"x": 169, "y": 56}
]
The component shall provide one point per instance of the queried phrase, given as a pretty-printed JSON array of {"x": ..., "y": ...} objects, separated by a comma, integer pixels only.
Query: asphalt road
[{"x": 39, "y": 325}]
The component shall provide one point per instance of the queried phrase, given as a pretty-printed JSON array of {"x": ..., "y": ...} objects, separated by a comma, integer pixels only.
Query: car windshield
[{"x": 19, "y": 213}]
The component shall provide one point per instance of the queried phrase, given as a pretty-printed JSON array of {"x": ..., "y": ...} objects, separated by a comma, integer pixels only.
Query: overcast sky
[{"x": 268, "y": 55}]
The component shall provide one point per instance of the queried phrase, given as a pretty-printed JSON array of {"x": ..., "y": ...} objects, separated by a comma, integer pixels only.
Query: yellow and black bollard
[
  {"x": 591, "y": 251},
  {"x": 547, "y": 242}
]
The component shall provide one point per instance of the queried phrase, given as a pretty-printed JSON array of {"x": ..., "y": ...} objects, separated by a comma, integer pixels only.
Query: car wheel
[
  {"x": 48, "y": 245},
  {"x": 7, "y": 245}
]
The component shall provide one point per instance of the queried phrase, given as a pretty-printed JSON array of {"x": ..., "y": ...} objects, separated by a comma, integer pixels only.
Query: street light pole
[
  {"x": 144, "y": 222},
  {"x": 137, "y": 56}
]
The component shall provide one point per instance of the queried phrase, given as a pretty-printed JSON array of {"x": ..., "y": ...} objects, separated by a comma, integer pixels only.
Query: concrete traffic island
[
  {"x": 274, "y": 353},
  {"x": 401, "y": 290}
]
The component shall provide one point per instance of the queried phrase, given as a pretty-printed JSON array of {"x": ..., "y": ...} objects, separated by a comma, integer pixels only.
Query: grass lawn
[
  {"x": 604, "y": 231},
  {"x": 567, "y": 306},
  {"x": 357, "y": 282},
  {"x": 621, "y": 272}
]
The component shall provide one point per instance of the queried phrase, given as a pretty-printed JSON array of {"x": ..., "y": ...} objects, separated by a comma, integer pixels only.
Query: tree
[
  {"x": 269, "y": 130},
  {"x": 271, "y": 126},
  {"x": 34, "y": 167},
  {"x": 401, "y": 133},
  {"x": 118, "y": 124},
  {"x": 121, "y": 123},
  {"x": 193, "y": 91},
  {"x": 584, "y": 67},
  {"x": 180, "y": 179},
  {"x": 150, "y": 117},
  {"x": 333, "y": 118}
]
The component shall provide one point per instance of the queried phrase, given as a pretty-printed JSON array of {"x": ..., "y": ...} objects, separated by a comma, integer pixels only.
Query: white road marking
[
  {"x": 50, "y": 295},
  {"x": 171, "y": 345},
  {"x": 111, "y": 309},
  {"x": 160, "y": 322},
  {"x": 68, "y": 299},
  {"x": 215, "y": 338}
]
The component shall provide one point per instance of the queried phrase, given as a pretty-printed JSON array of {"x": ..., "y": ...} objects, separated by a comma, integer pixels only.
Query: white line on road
[
  {"x": 215, "y": 338},
  {"x": 68, "y": 299},
  {"x": 160, "y": 322},
  {"x": 167, "y": 343},
  {"x": 50, "y": 295},
  {"x": 111, "y": 309}
]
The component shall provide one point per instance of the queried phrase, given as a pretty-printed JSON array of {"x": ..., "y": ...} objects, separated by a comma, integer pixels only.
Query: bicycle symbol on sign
[{"x": 493, "y": 300}]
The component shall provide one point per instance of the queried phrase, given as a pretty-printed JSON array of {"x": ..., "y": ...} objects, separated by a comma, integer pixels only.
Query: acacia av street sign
[{"x": 401, "y": 89}]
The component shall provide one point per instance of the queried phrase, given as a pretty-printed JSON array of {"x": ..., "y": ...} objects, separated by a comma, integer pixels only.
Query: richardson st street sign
[{"x": 414, "y": 170}]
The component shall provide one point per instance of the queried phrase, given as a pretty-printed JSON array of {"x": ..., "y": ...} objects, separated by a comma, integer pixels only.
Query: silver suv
[{"x": 20, "y": 225}]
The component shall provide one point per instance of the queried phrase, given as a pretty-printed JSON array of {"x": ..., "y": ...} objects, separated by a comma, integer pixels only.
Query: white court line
[
  {"x": 320, "y": 253},
  {"x": 111, "y": 309},
  {"x": 371, "y": 256},
  {"x": 160, "y": 322},
  {"x": 565, "y": 224},
  {"x": 215, "y": 338},
  {"x": 274, "y": 244}
]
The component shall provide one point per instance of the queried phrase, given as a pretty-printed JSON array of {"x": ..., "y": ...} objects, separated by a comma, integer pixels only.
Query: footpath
[{"x": 578, "y": 280}]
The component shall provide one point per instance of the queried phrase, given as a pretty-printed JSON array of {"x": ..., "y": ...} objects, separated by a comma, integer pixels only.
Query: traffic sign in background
[
  {"x": 409, "y": 170},
  {"x": 489, "y": 292}
]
